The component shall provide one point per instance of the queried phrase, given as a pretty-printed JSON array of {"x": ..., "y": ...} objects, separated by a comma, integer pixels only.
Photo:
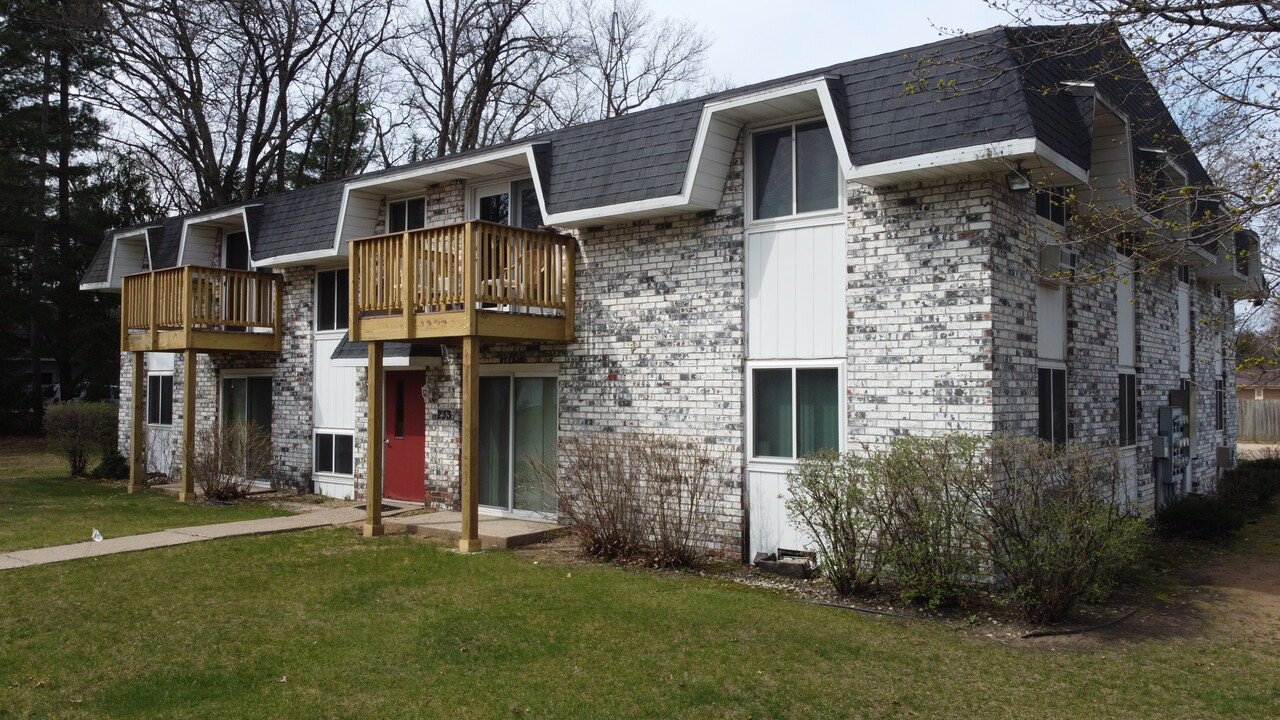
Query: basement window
[{"x": 334, "y": 454}]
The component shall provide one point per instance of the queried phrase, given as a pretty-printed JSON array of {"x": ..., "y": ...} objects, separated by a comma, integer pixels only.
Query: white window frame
[
  {"x": 794, "y": 219},
  {"x": 336, "y": 331},
  {"x": 334, "y": 432},
  {"x": 842, "y": 420},
  {"x": 386, "y": 220},
  {"x": 495, "y": 187},
  {"x": 1056, "y": 365},
  {"x": 168, "y": 374}
]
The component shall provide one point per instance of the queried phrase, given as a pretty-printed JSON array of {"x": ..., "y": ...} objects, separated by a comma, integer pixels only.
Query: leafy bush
[
  {"x": 932, "y": 543},
  {"x": 629, "y": 496},
  {"x": 228, "y": 459},
  {"x": 836, "y": 500},
  {"x": 1058, "y": 532},
  {"x": 80, "y": 430},
  {"x": 1195, "y": 517}
]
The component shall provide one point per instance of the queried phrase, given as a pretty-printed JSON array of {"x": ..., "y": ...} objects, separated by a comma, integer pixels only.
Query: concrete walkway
[
  {"x": 496, "y": 532},
  {"x": 182, "y": 536}
]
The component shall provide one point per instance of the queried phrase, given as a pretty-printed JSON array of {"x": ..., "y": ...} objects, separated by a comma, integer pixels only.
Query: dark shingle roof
[
  {"x": 996, "y": 85},
  {"x": 98, "y": 266},
  {"x": 348, "y": 350}
]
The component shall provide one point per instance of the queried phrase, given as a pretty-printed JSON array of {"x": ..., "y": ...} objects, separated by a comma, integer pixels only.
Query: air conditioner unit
[
  {"x": 1226, "y": 456},
  {"x": 1058, "y": 261}
]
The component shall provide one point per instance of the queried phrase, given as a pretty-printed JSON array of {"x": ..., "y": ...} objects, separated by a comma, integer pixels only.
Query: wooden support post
[
  {"x": 570, "y": 294},
  {"x": 409, "y": 284},
  {"x": 188, "y": 491},
  {"x": 469, "y": 271},
  {"x": 137, "y": 428},
  {"x": 373, "y": 458},
  {"x": 470, "y": 540}
]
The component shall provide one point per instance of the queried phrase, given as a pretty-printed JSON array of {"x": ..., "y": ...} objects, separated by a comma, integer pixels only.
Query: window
[
  {"x": 794, "y": 171},
  {"x": 407, "y": 215},
  {"x": 1052, "y": 204},
  {"x": 159, "y": 399},
  {"x": 334, "y": 454},
  {"x": 331, "y": 300},
  {"x": 1128, "y": 409},
  {"x": 247, "y": 399},
  {"x": 1053, "y": 404},
  {"x": 509, "y": 203},
  {"x": 795, "y": 412},
  {"x": 519, "y": 422}
]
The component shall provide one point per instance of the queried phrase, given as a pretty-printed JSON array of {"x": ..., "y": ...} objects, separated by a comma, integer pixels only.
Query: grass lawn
[
  {"x": 325, "y": 624},
  {"x": 40, "y": 505}
]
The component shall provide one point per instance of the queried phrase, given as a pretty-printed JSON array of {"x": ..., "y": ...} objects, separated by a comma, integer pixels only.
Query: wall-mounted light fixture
[{"x": 1018, "y": 180}]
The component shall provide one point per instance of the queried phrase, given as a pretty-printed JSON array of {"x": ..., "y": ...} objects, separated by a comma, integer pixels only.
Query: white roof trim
[
  {"x": 115, "y": 242},
  {"x": 682, "y": 201},
  {"x": 1021, "y": 147},
  {"x": 218, "y": 215},
  {"x": 96, "y": 286},
  {"x": 506, "y": 153}
]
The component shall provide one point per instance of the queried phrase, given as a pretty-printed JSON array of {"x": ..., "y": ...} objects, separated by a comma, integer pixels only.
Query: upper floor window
[
  {"x": 1052, "y": 204},
  {"x": 795, "y": 171},
  {"x": 509, "y": 203},
  {"x": 406, "y": 215},
  {"x": 331, "y": 300}
]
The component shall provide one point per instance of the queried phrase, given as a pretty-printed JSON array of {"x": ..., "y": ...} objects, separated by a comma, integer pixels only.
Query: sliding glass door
[{"x": 518, "y": 419}]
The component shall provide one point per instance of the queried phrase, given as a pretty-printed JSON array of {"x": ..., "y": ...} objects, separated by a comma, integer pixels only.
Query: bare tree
[
  {"x": 480, "y": 72},
  {"x": 215, "y": 93},
  {"x": 634, "y": 59}
]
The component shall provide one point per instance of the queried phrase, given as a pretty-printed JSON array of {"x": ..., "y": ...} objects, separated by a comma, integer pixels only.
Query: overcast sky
[{"x": 756, "y": 40}]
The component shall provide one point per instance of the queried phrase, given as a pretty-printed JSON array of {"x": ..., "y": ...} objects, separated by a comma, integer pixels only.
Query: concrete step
[{"x": 496, "y": 532}]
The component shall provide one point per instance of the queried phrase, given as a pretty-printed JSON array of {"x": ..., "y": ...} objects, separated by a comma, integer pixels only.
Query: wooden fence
[{"x": 1259, "y": 421}]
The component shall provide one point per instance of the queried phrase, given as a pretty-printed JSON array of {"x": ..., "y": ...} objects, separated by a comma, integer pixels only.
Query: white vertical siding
[
  {"x": 1184, "y": 328},
  {"x": 770, "y": 527},
  {"x": 1051, "y": 322},
  {"x": 335, "y": 389},
  {"x": 1125, "y": 313},
  {"x": 796, "y": 292}
]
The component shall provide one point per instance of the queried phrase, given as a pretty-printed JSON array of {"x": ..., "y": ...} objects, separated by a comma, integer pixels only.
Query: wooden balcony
[
  {"x": 473, "y": 279},
  {"x": 200, "y": 308}
]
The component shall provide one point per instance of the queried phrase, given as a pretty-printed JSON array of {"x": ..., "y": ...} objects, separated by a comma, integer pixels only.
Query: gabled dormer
[{"x": 221, "y": 238}]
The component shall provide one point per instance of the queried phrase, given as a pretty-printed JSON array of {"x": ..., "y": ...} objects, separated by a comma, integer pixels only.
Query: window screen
[
  {"x": 817, "y": 175},
  {"x": 772, "y": 179}
]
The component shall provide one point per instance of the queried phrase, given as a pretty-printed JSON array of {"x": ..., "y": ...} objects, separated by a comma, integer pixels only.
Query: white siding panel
[
  {"x": 160, "y": 362},
  {"x": 1184, "y": 329},
  {"x": 130, "y": 257},
  {"x": 200, "y": 246},
  {"x": 770, "y": 527},
  {"x": 796, "y": 293},
  {"x": 1125, "y": 313},
  {"x": 1051, "y": 320},
  {"x": 361, "y": 219},
  {"x": 335, "y": 389}
]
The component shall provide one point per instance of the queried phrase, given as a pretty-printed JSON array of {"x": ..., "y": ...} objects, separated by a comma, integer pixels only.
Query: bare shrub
[
  {"x": 680, "y": 500},
  {"x": 1058, "y": 532},
  {"x": 835, "y": 499},
  {"x": 636, "y": 496},
  {"x": 932, "y": 541},
  {"x": 594, "y": 492},
  {"x": 229, "y": 458},
  {"x": 79, "y": 431}
]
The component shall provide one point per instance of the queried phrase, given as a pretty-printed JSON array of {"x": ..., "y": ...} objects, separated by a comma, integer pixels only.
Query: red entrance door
[{"x": 404, "y": 464}]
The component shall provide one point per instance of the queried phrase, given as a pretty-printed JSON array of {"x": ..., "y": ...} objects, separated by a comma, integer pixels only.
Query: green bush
[
  {"x": 112, "y": 466},
  {"x": 932, "y": 543},
  {"x": 1059, "y": 532},
  {"x": 79, "y": 431},
  {"x": 836, "y": 500},
  {"x": 1195, "y": 517},
  {"x": 1251, "y": 486}
]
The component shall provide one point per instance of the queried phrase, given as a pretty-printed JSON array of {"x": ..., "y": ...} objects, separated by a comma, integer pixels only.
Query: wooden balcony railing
[
  {"x": 200, "y": 308},
  {"x": 473, "y": 278}
]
